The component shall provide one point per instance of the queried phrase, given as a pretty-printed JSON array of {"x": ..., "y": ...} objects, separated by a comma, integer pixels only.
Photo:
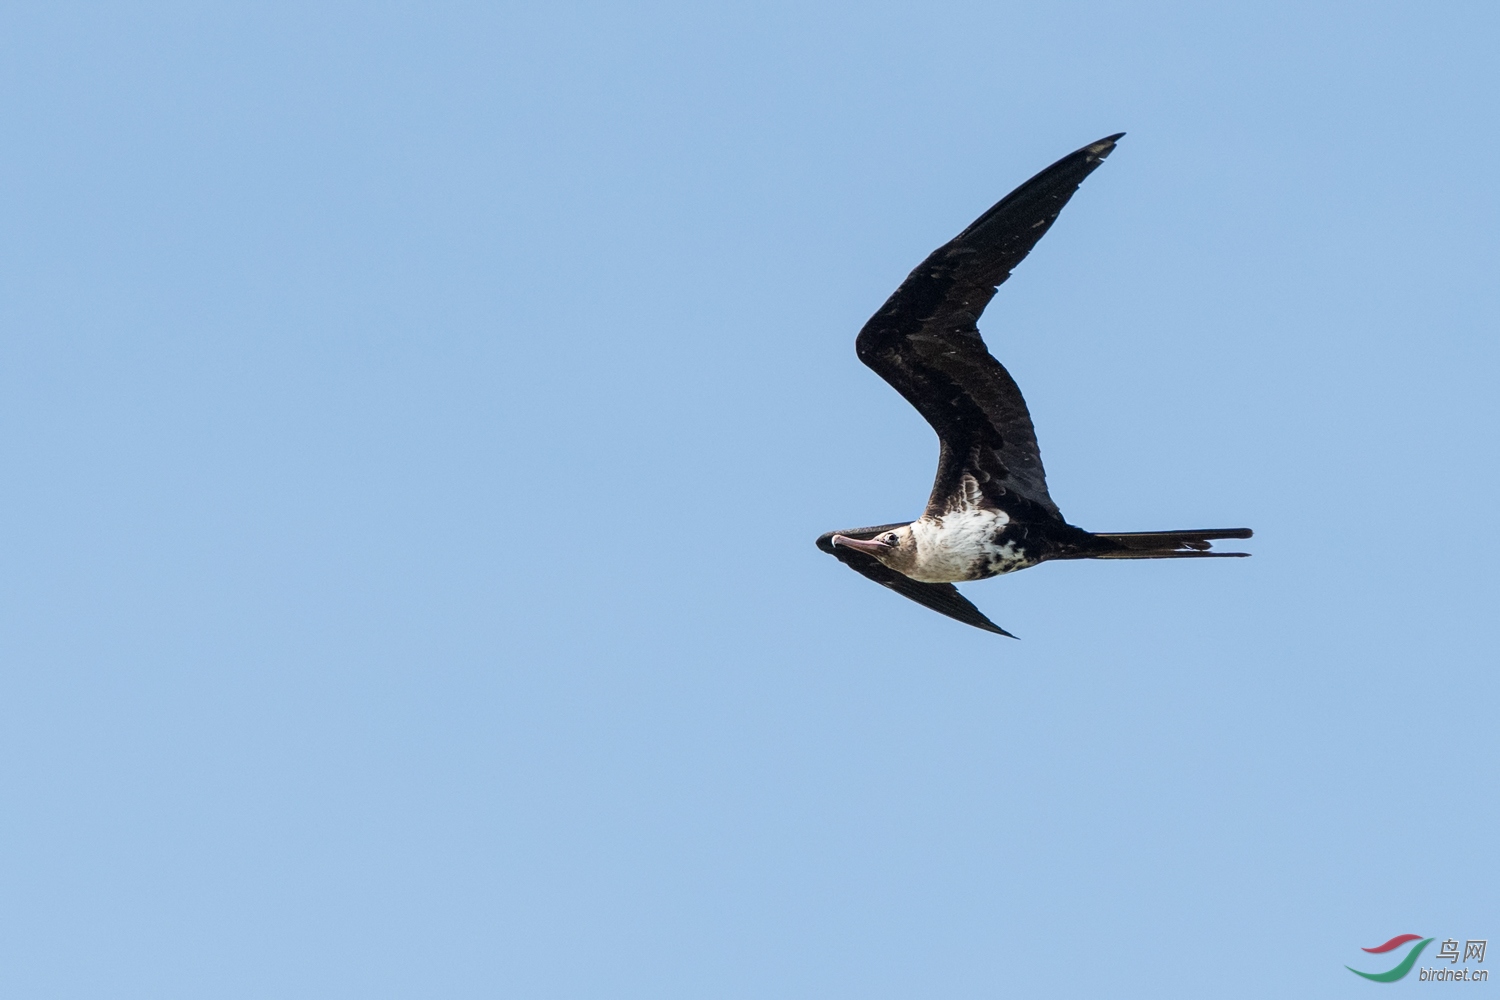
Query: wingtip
[
  {"x": 1104, "y": 146},
  {"x": 1098, "y": 151}
]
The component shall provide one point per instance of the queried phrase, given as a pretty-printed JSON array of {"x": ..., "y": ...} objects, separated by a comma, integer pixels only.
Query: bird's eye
[{"x": 891, "y": 539}]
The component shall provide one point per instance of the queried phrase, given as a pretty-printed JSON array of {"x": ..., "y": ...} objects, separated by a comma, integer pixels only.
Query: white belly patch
[{"x": 963, "y": 545}]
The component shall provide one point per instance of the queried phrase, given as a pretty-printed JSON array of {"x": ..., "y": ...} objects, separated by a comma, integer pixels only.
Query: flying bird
[{"x": 989, "y": 512}]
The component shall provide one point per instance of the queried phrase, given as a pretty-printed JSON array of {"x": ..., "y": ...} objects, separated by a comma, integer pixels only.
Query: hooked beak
[{"x": 870, "y": 548}]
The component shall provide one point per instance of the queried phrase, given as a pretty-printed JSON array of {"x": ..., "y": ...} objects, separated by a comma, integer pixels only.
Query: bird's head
[{"x": 896, "y": 548}]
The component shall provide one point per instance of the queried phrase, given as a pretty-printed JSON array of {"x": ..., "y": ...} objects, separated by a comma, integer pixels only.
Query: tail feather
[{"x": 1168, "y": 544}]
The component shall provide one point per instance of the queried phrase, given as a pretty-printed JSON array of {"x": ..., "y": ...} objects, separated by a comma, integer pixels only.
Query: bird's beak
[{"x": 870, "y": 548}]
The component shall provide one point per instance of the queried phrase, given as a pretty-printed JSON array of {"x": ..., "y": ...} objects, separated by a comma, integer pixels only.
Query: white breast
[{"x": 962, "y": 545}]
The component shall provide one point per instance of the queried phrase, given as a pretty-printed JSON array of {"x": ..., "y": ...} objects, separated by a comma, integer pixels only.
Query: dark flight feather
[
  {"x": 943, "y": 598},
  {"x": 1193, "y": 543},
  {"x": 925, "y": 342}
]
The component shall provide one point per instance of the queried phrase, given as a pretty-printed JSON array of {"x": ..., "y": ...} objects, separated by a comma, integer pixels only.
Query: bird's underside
[{"x": 989, "y": 512}]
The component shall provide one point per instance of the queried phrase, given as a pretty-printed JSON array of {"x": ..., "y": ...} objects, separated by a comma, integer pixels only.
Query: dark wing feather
[
  {"x": 943, "y": 598},
  {"x": 925, "y": 341}
]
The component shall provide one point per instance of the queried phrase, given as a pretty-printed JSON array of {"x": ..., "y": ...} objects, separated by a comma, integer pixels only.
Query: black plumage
[
  {"x": 925, "y": 342},
  {"x": 943, "y": 598}
]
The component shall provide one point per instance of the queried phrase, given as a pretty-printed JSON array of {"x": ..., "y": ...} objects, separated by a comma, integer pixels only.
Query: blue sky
[{"x": 417, "y": 419}]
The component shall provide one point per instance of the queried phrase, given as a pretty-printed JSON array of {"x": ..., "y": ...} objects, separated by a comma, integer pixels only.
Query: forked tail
[{"x": 1167, "y": 544}]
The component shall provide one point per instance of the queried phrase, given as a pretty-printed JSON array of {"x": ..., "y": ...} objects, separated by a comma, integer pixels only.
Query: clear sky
[{"x": 416, "y": 420}]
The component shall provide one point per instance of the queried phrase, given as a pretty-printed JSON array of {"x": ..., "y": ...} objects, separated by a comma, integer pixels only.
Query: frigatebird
[{"x": 989, "y": 512}]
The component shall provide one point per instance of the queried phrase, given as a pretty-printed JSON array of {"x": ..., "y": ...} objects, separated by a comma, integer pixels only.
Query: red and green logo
[{"x": 1402, "y": 967}]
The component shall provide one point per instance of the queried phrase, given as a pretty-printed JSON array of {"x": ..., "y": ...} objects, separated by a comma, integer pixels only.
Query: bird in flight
[{"x": 989, "y": 512}]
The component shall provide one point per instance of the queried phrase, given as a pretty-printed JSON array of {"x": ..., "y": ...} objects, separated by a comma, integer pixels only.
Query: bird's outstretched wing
[
  {"x": 925, "y": 342},
  {"x": 943, "y": 598}
]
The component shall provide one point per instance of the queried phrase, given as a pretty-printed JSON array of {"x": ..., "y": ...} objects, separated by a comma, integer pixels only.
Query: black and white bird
[{"x": 989, "y": 512}]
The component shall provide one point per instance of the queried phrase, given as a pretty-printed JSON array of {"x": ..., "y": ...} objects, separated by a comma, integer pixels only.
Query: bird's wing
[
  {"x": 943, "y": 598},
  {"x": 925, "y": 341}
]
